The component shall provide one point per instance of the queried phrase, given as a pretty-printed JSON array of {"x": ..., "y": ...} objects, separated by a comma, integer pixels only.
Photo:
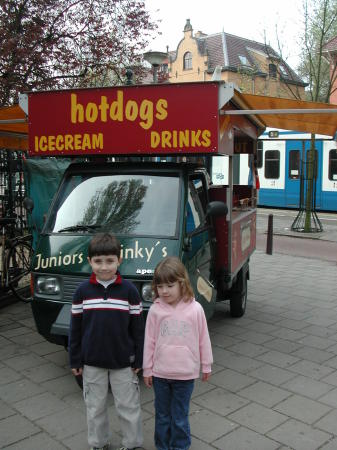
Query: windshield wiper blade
[{"x": 80, "y": 228}]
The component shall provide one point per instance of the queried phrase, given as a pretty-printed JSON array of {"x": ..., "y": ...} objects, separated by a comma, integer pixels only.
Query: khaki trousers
[{"x": 125, "y": 390}]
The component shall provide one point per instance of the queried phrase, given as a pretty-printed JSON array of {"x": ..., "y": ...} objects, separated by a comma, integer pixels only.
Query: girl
[{"x": 176, "y": 343}]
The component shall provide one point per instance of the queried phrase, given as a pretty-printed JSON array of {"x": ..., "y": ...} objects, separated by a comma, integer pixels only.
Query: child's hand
[
  {"x": 136, "y": 370},
  {"x": 206, "y": 376},
  {"x": 77, "y": 372},
  {"x": 148, "y": 381}
]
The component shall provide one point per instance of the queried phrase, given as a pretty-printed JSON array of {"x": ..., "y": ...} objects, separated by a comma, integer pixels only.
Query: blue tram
[{"x": 279, "y": 159}]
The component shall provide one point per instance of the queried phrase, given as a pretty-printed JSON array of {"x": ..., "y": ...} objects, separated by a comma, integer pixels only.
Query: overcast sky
[{"x": 245, "y": 18}]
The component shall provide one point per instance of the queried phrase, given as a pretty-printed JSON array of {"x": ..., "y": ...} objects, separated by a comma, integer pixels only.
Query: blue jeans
[{"x": 172, "y": 404}]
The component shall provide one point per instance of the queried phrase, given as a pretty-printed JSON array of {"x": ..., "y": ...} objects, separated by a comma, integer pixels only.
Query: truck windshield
[{"x": 128, "y": 204}]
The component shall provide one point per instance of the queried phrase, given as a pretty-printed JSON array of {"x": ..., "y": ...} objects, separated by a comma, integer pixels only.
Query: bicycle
[{"x": 16, "y": 256}]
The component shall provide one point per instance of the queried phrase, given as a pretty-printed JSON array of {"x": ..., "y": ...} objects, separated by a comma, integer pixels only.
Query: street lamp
[{"x": 155, "y": 59}]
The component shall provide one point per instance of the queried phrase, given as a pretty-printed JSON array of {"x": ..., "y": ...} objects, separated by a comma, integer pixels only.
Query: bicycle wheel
[{"x": 18, "y": 270}]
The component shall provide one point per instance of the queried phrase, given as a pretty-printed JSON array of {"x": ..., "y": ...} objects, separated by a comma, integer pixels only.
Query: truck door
[{"x": 197, "y": 256}]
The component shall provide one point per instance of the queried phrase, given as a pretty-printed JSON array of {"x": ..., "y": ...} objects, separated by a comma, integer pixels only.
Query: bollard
[{"x": 269, "y": 249}]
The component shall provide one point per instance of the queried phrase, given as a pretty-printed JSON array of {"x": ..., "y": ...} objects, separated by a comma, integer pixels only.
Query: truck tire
[{"x": 238, "y": 298}]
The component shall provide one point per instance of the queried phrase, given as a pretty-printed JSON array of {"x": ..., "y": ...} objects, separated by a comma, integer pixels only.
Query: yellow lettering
[
  {"x": 97, "y": 141},
  {"x": 131, "y": 110},
  {"x": 146, "y": 114},
  {"x": 68, "y": 142},
  {"x": 161, "y": 107},
  {"x": 116, "y": 108},
  {"x": 184, "y": 138},
  {"x": 195, "y": 138},
  {"x": 103, "y": 107},
  {"x": 86, "y": 143},
  {"x": 206, "y": 135},
  {"x": 166, "y": 139},
  {"x": 78, "y": 142},
  {"x": 155, "y": 139},
  {"x": 51, "y": 143},
  {"x": 36, "y": 141},
  {"x": 91, "y": 112},
  {"x": 76, "y": 110},
  {"x": 43, "y": 143},
  {"x": 59, "y": 142}
]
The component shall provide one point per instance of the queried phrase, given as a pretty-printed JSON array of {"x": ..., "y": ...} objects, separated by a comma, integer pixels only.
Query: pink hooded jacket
[{"x": 176, "y": 341}]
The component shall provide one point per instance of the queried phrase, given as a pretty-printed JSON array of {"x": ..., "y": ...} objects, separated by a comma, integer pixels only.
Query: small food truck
[{"x": 142, "y": 156}]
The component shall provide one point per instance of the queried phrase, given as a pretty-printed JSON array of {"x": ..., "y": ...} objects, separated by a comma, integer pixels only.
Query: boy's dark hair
[{"x": 104, "y": 244}]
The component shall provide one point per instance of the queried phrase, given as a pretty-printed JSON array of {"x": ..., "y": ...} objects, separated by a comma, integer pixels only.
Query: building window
[
  {"x": 333, "y": 165},
  {"x": 272, "y": 164},
  {"x": 188, "y": 61},
  {"x": 272, "y": 71},
  {"x": 294, "y": 164}
]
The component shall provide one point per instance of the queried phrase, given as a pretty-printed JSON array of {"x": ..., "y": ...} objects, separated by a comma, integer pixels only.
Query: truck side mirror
[
  {"x": 28, "y": 204},
  {"x": 216, "y": 209}
]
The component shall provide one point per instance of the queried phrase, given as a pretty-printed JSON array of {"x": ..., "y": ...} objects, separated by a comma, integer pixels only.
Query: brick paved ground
[{"x": 274, "y": 384}]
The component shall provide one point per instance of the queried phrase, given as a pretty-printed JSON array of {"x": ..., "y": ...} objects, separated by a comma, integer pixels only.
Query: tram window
[
  {"x": 333, "y": 165},
  {"x": 294, "y": 164},
  {"x": 315, "y": 163},
  {"x": 272, "y": 164}
]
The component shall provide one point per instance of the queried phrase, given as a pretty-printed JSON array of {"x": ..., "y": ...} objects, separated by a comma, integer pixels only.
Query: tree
[
  {"x": 320, "y": 25},
  {"x": 46, "y": 44}
]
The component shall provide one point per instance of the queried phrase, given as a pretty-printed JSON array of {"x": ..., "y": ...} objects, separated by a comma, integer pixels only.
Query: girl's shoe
[{"x": 106, "y": 447}]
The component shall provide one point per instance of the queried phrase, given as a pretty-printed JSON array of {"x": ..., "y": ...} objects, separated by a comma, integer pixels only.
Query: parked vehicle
[{"x": 128, "y": 186}]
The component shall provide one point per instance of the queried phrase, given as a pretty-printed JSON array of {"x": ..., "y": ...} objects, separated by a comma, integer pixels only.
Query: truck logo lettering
[{"x": 57, "y": 261}]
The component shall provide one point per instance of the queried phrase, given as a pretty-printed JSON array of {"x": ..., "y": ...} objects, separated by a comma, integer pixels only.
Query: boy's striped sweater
[{"x": 107, "y": 328}]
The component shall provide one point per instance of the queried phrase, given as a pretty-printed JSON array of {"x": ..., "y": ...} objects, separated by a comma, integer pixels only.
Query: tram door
[
  {"x": 294, "y": 155},
  {"x": 293, "y": 173}
]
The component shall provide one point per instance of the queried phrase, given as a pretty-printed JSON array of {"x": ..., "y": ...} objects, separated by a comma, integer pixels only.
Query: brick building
[{"x": 254, "y": 67}]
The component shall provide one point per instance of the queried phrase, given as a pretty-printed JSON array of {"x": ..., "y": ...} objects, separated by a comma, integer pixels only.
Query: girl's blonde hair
[{"x": 170, "y": 270}]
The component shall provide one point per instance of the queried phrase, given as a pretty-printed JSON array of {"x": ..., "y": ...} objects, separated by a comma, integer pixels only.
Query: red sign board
[{"x": 159, "y": 119}]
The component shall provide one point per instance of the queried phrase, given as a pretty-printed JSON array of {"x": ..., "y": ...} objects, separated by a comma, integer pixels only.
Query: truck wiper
[{"x": 80, "y": 228}]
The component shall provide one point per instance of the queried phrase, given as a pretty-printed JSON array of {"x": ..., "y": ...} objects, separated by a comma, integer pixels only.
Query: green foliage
[
  {"x": 320, "y": 24},
  {"x": 48, "y": 44}
]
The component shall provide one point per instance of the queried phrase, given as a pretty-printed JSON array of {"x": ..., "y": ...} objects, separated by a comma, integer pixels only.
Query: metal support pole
[{"x": 269, "y": 249}]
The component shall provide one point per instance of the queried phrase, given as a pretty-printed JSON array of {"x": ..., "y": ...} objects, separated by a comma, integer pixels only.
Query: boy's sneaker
[{"x": 106, "y": 447}]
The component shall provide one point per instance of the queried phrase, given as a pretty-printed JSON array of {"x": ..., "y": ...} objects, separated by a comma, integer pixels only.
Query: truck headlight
[
  {"x": 147, "y": 292},
  {"x": 47, "y": 285}
]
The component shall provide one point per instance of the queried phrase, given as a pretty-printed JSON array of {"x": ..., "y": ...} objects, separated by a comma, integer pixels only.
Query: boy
[{"x": 106, "y": 344}]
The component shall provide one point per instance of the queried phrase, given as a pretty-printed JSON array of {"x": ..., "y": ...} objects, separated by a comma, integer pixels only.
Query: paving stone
[
  {"x": 38, "y": 441},
  {"x": 248, "y": 349},
  {"x": 254, "y": 337},
  {"x": 278, "y": 359},
  {"x": 61, "y": 386},
  {"x": 40, "y": 406},
  {"x": 44, "y": 348},
  {"x": 303, "y": 409},
  {"x": 307, "y": 386},
  {"x": 64, "y": 423},
  {"x": 208, "y": 426},
  {"x": 19, "y": 390},
  {"x": 45, "y": 372},
  {"x": 5, "y": 410},
  {"x": 7, "y": 375},
  {"x": 272, "y": 374},
  {"x": 311, "y": 369},
  {"x": 299, "y": 436},
  {"x": 331, "y": 445},
  {"x": 23, "y": 428},
  {"x": 23, "y": 362},
  {"x": 239, "y": 363},
  {"x": 243, "y": 438},
  {"x": 282, "y": 345},
  {"x": 231, "y": 380},
  {"x": 312, "y": 354},
  {"x": 264, "y": 393},
  {"x": 257, "y": 418},
  {"x": 220, "y": 401}
]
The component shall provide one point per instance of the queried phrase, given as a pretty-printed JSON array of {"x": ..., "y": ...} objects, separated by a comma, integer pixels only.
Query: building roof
[{"x": 232, "y": 52}]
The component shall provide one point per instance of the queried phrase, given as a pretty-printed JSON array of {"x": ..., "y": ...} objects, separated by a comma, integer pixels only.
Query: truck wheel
[{"x": 238, "y": 299}]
